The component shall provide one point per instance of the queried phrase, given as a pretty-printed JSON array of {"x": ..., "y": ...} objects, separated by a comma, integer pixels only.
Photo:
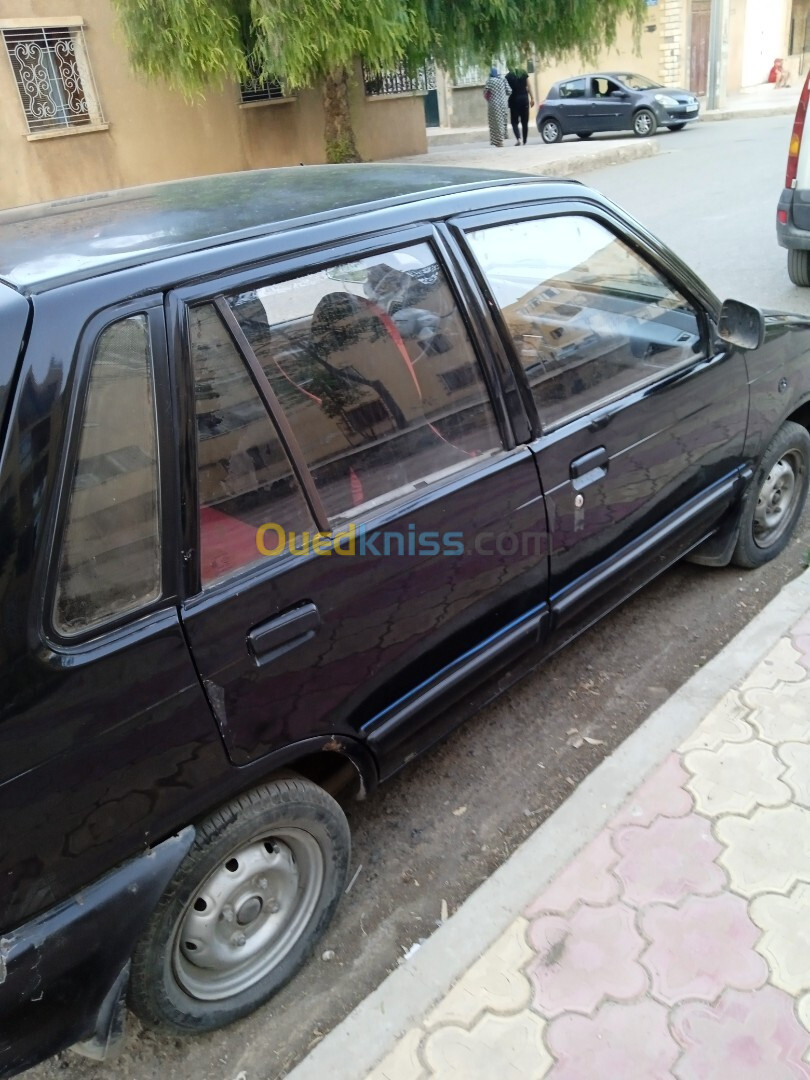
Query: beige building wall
[{"x": 153, "y": 134}]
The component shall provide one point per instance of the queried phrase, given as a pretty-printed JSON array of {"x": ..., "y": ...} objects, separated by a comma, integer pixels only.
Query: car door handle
[
  {"x": 273, "y": 638},
  {"x": 589, "y": 468}
]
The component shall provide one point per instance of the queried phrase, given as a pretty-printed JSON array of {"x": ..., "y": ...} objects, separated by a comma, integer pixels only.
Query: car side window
[
  {"x": 109, "y": 562},
  {"x": 373, "y": 367},
  {"x": 589, "y": 318},
  {"x": 244, "y": 476},
  {"x": 575, "y": 89}
]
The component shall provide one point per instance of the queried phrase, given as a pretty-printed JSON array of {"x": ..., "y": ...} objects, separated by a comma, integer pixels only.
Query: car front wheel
[
  {"x": 676, "y": 127},
  {"x": 799, "y": 266},
  {"x": 550, "y": 131},
  {"x": 644, "y": 123},
  {"x": 775, "y": 498},
  {"x": 245, "y": 908},
  {"x": 584, "y": 134}
]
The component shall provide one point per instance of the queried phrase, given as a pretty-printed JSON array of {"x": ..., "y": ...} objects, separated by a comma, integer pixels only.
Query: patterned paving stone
[
  {"x": 785, "y": 943},
  {"x": 800, "y": 635},
  {"x": 781, "y": 665},
  {"x": 803, "y": 1010},
  {"x": 403, "y": 1062},
  {"x": 768, "y": 852},
  {"x": 745, "y": 1036},
  {"x": 506, "y": 1047},
  {"x": 700, "y": 948},
  {"x": 783, "y": 716},
  {"x": 494, "y": 982},
  {"x": 797, "y": 758},
  {"x": 585, "y": 957},
  {"x": 661, "y": 795},
  {"x": 619, "y": 1042},
  {"x": 735, "y": 778},
  {"x": 727, "y": 722},
  {"x": 666, "y": 862},
  {"x": 587, "y": 879}
]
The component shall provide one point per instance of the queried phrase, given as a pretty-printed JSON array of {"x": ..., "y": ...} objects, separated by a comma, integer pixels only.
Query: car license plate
[{"x": 691, "y": 108}]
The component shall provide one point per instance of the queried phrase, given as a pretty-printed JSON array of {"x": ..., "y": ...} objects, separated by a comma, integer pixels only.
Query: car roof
[
  {"x": 603, "y": 75},
  {"x": 47, "y": 244}
]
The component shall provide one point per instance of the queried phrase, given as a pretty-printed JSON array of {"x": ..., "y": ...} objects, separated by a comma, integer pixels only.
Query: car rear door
[
  {"x": 572, "y": 106},
  {"x": 367, "y": 536},
  {"x": 640, "y": 419}
]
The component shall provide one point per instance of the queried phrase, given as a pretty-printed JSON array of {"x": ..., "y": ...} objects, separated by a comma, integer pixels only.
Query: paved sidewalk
[
  {"x": 470, "y": 147},
  {"x": 655, "y": 926}
]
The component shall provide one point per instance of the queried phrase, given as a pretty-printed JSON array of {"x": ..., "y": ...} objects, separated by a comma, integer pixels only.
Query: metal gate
[
  {"x": 699, "y": 45},
  {"x": 431, "y": 100}
]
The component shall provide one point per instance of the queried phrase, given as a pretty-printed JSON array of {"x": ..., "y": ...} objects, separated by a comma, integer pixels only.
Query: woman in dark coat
[{"x": 520, "y": 101}]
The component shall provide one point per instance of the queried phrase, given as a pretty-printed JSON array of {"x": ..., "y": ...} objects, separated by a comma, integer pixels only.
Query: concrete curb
[
  {"x": 352, "y": 1049},
  {"x": 597, "y": 159},
  {"x": 787, "y": 108}
]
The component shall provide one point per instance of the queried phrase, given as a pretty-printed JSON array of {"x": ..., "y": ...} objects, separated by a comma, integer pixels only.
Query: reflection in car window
[
  {"x": 245, "y": 478},
  {"x": 589, "y": 318},
  {"x": 639, "y": 82},
  {"x": 110, "y": 561},
  {"x": 574, "y": 89},
  {"x": 373, "y": 367}
]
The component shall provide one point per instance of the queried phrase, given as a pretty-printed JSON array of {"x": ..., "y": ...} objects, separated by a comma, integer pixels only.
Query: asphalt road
[{"x": 431, "y": 835}]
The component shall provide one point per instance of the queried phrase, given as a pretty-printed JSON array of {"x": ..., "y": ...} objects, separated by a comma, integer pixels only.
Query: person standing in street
[
  {"x": 495, "y": 94},
  {"x": 520, "y": 101}
]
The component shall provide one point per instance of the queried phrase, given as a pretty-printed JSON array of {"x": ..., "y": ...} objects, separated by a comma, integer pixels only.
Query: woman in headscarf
[{"x": 495, "y": 93}]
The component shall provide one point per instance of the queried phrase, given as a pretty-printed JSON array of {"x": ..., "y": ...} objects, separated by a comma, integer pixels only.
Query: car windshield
[{"x": 639, "y": 82}]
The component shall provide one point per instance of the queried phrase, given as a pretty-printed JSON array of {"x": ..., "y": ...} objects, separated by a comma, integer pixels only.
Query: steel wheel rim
[
  {"x": 248, "y": 914},
  {"x": 643, "y": 124},
  {"x": 550, "y": 131},
  {"x": 777, "y": 499}
]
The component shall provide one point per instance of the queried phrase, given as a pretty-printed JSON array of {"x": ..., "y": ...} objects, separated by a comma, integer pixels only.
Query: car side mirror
[
  {"x": 741, "y": 325},
  {"x": 619, "y": 94}
]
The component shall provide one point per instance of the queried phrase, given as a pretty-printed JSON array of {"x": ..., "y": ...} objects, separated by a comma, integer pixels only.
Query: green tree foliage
[{"x": 193, "y": 44}]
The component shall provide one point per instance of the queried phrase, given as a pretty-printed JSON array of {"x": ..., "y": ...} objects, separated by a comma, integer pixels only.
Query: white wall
[{"x": 765, "y": 38}]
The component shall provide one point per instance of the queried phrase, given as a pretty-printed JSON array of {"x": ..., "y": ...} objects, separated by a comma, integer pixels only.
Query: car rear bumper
[
  {"x": 789, "y": 233},
  {"x": 63, "y": 974}
]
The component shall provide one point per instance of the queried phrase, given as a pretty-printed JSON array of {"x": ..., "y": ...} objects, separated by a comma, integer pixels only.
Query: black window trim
[
  {"x": 103, "y": 634},
  {"x": 705, "y": 304},
  {"x": 276, "y": 270}
]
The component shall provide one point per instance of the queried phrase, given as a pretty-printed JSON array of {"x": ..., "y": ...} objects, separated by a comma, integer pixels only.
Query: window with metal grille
[
  {"x": 400, "y": 80},
  {"x": 256, "y": 88},
  {"x": 53, "y": 77}
]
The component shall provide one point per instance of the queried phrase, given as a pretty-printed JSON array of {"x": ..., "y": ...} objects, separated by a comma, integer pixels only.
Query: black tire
[
  {"x": 676, "y": 127},
  {"x": 644, "y": 123},
  {"x": 584, "y": 134},
  {"x": 775, "y": 497},
  {"x": 265, "y": 874},
  {"x": 799, "y": 266},
  {"x": 551, "y": 131}
]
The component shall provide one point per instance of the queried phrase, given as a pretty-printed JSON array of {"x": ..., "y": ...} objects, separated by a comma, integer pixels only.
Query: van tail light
[{"x": 796, "y": 135}]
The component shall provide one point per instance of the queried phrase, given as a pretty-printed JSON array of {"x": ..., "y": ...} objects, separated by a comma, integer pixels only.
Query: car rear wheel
[
  {"x": 775, "y": 498},
  {"x": 550, "y": 131},
  {"x": 799, "y": 266},
  {"x": 644, "y": 123},
  {"x": 245, "y": 908},
  {"x": 584, "y": 134},
  {"x": 676, "y": 127}
]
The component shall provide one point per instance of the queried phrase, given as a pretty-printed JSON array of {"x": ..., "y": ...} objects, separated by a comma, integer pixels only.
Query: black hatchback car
[
  {"x": 613, "y": 101},
  {"x": 291, "y": 462}
]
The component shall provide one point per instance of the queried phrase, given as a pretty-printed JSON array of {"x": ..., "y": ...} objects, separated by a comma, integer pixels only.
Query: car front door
[
  {"x": 369, "y": 536},
  {"x": 641, "y": 418},
  {"x": 607, "y": 105}
]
